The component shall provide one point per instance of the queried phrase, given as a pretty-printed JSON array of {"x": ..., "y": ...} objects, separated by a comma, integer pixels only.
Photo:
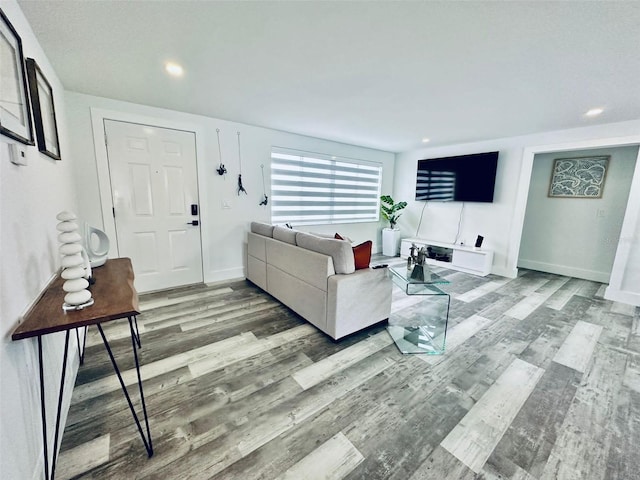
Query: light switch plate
[{"x": 17, "y": 154}]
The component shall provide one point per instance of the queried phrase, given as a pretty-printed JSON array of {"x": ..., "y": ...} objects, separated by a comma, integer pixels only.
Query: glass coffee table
[{"x": 420, "y": 326}]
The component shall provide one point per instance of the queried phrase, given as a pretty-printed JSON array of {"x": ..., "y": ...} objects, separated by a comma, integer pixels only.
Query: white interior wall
[
  {"x": 631, "y": 276},
  {"x": 223, "y": 230},
  {"x": 576, "y": 236},
  {"x": 501, "y": 222},
  {"x": 440, "y": 219},
  {"x": 624, "y": 285},
  {"x": 30, "y": 198}
]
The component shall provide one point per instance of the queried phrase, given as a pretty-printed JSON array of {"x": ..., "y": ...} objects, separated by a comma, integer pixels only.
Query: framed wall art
[
  {"x": 44, "y": 113},
  {"x": 580, "y": 177},
  {"x": 15, "y": 114}
]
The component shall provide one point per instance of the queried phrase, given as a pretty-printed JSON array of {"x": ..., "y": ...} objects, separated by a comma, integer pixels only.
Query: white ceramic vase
[{"x": 390, "y": 241}]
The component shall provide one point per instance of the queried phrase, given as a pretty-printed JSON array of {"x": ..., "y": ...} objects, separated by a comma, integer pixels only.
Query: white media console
[{"x": 460, "y": 257}]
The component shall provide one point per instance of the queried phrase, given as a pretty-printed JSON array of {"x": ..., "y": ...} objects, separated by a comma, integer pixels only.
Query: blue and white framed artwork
[{"x": 580, "y": 177}]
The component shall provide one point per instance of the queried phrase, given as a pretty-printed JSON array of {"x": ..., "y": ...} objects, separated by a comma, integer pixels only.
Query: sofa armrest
[{"x": 357, "y": 300}]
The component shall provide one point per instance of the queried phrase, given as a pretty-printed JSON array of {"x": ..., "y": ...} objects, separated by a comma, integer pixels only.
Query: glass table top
[{"x": 430, "y": 278}]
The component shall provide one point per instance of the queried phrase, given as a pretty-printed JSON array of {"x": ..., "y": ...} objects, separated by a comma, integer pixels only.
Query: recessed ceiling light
[
  {"x": 426, "y": 140},
  {"x": 594, "y": 112},
  {"x": 174, "y": 69}
]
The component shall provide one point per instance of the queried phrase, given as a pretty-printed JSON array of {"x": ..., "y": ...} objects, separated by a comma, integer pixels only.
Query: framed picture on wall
[
  {"x": 44, "y": 113},
  {"x": 15, "y": 114},
  {"x": 580, "y": 177}
]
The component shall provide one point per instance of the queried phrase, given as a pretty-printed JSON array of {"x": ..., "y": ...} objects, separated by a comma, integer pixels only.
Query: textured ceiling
[{"x": 377, "y": 74}]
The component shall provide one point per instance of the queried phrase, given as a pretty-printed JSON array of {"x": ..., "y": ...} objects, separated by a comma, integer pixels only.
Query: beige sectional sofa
[{"x": 316, "y": 277}]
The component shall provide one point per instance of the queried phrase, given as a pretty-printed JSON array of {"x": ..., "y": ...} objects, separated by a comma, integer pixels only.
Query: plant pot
[{"x": 390, "y": 241}]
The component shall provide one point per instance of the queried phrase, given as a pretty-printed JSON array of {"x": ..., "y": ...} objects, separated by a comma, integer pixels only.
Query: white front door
[{"x": 154, "y": 187}]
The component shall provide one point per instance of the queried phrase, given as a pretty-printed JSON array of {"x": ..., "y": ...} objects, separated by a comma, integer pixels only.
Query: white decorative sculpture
[
  {"x": 75, "y": 263},
  {"x": 96, "y": 244}
]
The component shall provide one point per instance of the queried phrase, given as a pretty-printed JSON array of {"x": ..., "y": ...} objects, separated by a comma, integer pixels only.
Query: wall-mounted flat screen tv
[{"x": 463, "y": 178}]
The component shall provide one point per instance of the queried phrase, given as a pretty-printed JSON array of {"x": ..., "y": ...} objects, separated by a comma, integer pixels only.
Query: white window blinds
[{"x": 313, "y": 189}]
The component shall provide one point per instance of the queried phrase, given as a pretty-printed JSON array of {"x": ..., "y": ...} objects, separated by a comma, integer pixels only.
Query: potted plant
[
  {"x": 390, "y": 236},
  {"x": 389, "y": 209}
]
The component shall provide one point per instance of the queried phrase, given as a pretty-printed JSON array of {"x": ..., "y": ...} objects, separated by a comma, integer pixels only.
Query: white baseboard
[
  {"x": 593, "y": 275},
  {"x": 226, "y": 275},
  {"x": 504, "y": 271},
  {"x": 622, "y": 296},
  {"x": 225, "y": 281}
]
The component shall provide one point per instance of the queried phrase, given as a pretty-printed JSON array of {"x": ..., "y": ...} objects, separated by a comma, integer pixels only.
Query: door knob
[{"x": 195, "y": 223}]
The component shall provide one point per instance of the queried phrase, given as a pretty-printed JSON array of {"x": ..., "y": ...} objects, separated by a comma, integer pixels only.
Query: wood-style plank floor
[{"x": 540, "y": 380}]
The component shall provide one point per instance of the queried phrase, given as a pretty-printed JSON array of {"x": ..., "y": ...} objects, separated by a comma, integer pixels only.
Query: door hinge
[
  {"x": 106, "y": 143},
  {"x": 113, "y": 209}
]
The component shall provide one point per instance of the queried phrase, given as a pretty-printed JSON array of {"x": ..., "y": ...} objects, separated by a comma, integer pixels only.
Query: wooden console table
[{"x": 115, "y": 298}]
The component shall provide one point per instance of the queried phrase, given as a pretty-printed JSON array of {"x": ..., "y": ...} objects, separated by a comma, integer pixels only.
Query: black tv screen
[{"x": 463, "y": 178}]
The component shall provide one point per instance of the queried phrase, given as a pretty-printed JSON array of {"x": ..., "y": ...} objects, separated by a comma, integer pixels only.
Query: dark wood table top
[{"x": 113, "y": 293}]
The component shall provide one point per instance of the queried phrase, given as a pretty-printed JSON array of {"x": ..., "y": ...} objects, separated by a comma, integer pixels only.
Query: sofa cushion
[
  {"x": 307, "y": 266},
  {"x": 307, "y": 300},
  {"x": 328, "y": 235},
  {"x": 358, "y": 300},
  {"x": 256, "y": 246},
  {"x": 339, "y": 250},
  {"x": 284, "y": 234},
  {"x": 362, "y": 255},
  {"x": 263, "y": 229}
]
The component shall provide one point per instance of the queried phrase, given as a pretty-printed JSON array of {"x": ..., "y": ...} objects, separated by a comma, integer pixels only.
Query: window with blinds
[{"x": 315, "y": 189}]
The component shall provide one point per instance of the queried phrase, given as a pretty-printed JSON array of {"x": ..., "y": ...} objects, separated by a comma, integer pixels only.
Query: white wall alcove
[{"x": 622, "y": 286}]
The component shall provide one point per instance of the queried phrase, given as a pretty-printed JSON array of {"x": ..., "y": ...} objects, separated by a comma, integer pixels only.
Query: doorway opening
[{"x": 575, "y": 236}]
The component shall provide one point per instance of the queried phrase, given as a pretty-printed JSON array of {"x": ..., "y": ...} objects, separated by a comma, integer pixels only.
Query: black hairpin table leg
[
  {"x": 135, "y": 333},
  {"x": 149, "y": 447},
  {"x": 146, "y": 439},
  {"x": 64, "y": 371},
  {"x": 58, "y": 410},
  {"x": 84, "y": 343}
]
